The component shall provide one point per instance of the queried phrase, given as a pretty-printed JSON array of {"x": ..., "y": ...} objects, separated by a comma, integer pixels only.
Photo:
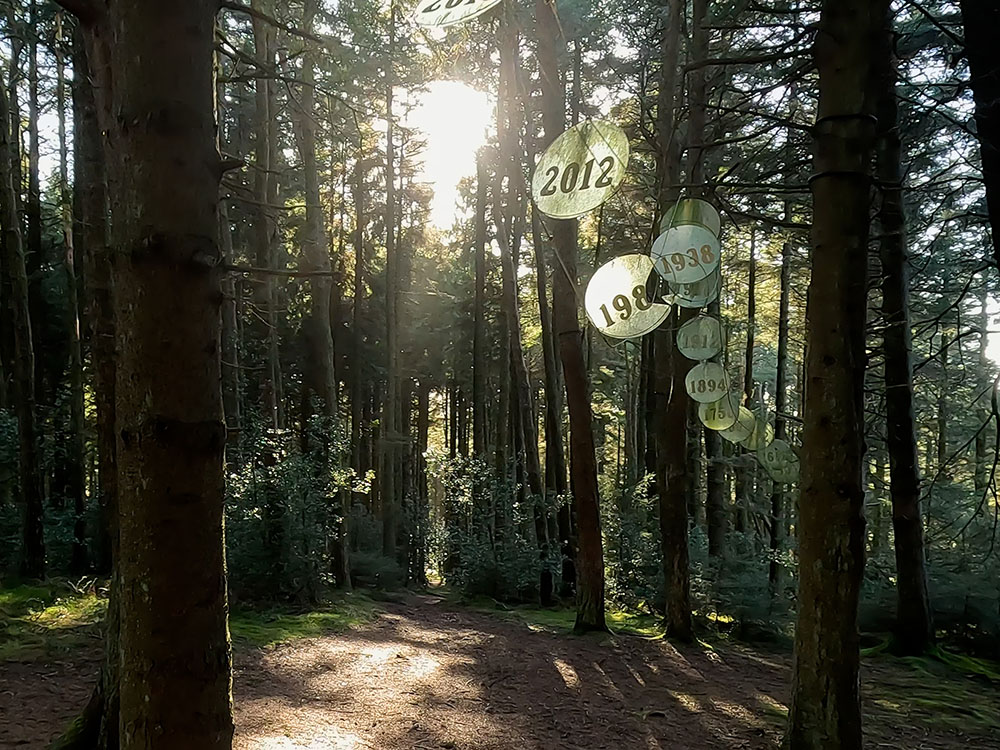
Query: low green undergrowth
[
  {"x": 271, "y": 627},
  {"x": 48, "y": 619}
]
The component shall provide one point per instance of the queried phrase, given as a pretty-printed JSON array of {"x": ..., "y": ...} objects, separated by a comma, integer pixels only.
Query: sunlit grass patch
[
  {"x": 43, "y": 620},
  {"x": 268, "y": 628}
]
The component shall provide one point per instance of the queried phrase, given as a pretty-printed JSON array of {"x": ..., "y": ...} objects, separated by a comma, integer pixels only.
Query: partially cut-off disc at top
[
  {"x": 617, "y": 299},
  {"x": 743, "y": 428},
  {"x": 707, "y": 382},
  {"x": 780, "y": 461},
  {"x": 692, "y": 211},
  {"x": 685, "y": 253},
  {"x": 580, "y": 169},
  {"x": 441, "y": 13},
  {"x": 700, "y": 338},
  {"x": 721, "y": 414},
  {"x": 697, "y": 294}
]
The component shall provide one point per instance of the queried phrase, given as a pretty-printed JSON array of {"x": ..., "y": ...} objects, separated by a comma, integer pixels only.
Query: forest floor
[{"x": 425, "y": 673}]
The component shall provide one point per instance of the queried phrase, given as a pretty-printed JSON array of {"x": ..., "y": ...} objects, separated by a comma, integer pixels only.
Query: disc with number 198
[{"x": 617, "y": 300}]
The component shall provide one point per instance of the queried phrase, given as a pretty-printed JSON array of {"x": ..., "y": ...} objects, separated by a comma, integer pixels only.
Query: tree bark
[
  {"x": 174, "y": 642},
  {"x": 825, "y": 712},
  {"x": 390, "y": 416},
  {"x": 670, "y": 368},
  {"x": 914, "y": 631},
  {"x": 981, "y": 19},
  {"x": 590, "y": 554}
]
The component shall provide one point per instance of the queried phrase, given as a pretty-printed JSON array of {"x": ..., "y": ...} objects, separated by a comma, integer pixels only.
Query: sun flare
[{"x": 454, "y": 118}]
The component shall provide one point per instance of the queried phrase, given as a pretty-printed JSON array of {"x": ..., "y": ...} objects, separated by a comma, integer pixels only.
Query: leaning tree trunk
[
  {"x": 590, "y": 557},
  {"x": 13, "y": 265},
  {"x": 825, "y": 712},
  {"x": 981, "y": 19},
  {"x": 174, "y": 640},
  {"x": 914, "y": 631}
]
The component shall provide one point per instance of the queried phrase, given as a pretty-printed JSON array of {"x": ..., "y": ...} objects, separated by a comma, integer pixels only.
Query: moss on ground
[
  {"x": 42, "y": 621},
  {"x": 46, "y": 620},
  {"x": 268, "y": 628}
]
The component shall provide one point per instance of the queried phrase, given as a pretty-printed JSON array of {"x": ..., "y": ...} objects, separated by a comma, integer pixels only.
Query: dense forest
[{"x": 316, "y": 297}]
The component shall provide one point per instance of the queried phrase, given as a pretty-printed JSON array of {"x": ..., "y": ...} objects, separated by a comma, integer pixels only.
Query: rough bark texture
[
  {"x": 174, "y": 642},
  {"x": 590, "y": 557},
  {"x": 914, "y": 630},
  {"x": 825, "y": 712},
  {"x": 981, "y": 19}
]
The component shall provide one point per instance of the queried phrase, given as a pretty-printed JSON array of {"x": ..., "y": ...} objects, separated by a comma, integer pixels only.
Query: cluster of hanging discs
[{"x": 632, "y": 295}]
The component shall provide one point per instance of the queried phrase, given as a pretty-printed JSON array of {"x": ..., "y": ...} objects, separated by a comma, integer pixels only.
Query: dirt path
[{"x": 428, "y": 675}]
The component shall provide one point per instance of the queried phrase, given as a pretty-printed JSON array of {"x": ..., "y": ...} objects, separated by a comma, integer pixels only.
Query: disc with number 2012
[
  {"x": 441, "y": 13},
  {"x": 617, "y": 301},
  {"x": 580, "y": 169}
]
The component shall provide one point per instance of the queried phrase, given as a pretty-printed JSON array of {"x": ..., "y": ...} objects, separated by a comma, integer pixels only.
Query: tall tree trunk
[
  {"x": 780, "y": 401},
  {"x": 590, "y": 556},
  {"x": 479, "y": 315},
  {"x": 358, "y": 393},
  {"x": 825, "y": 712},
  {"x": 914, "y": 631},
  {"x": 320, "y": 370},
  {"x": 981, "y": 19},
  {"x": 266, "y": 238},
  {"x": 746, "y": 463},
  {"x": 390, "y": 409},
  {"x": 32, "y": 562},
  {"x": 174, "y": 641},
  {"x": 670, "y": 368},
  {"x": 76, "y": 482},
  {"x": 508, "y": 225},
  {"x": 33, "y": 210},
  {"x": 981, "y": 478}
]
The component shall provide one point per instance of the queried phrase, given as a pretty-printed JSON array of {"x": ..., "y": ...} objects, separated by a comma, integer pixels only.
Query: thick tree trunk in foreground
[
  {"x": 914, "y": 631},
  {"x": 825, "y": 712},
  {"x": 174, "y": 641},
  {"x": 981, "y": 19},
  {"x": 565, "y": 302},
  {"x": 13, "y": 265}
]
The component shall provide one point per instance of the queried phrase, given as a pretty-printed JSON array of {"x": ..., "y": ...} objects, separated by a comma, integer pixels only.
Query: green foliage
[
  {"x": 282, "y": 510},
  {"x": 485, "y": 540},
  {"x": 270, "y": 627},
  {"x": 38, "y": 622}
]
